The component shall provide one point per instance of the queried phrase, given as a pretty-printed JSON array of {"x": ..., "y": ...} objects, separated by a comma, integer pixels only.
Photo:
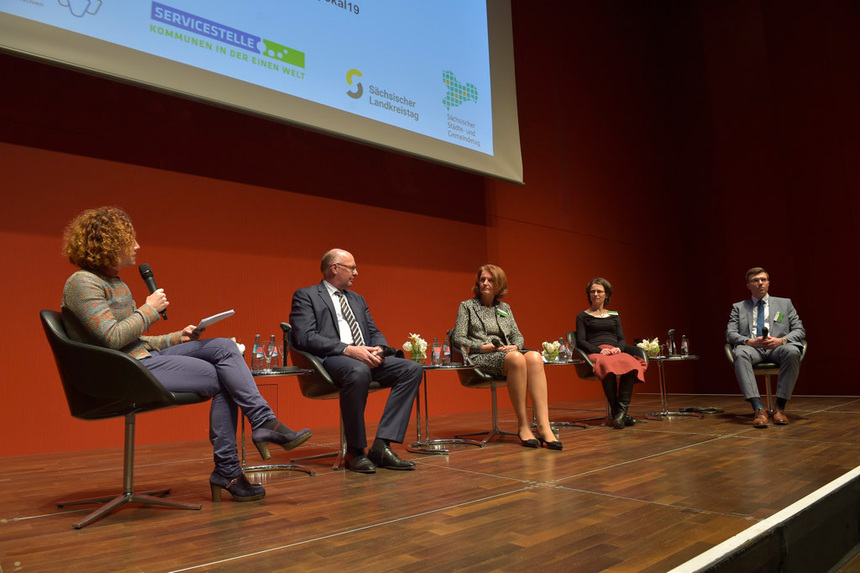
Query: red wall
[{"x": 644, "y": 129}]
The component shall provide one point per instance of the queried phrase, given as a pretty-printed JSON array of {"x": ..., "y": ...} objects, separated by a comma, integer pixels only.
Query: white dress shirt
[
  {"x": 342, "y": 324},
  {"x": 766, "y": 308}
]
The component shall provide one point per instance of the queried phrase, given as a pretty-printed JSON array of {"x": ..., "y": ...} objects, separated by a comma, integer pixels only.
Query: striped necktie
[{"x": 350, "y": 319}]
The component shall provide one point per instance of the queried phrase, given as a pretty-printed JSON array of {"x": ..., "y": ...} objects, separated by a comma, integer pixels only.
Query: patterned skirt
[{"x": 491, "y": 362}]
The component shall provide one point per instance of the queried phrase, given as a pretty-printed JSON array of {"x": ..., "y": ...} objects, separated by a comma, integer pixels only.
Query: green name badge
[
  {"x": 500, "y": 312},
  {"x": 613, "y": 312},
  {"x": 779, "y": 317}
]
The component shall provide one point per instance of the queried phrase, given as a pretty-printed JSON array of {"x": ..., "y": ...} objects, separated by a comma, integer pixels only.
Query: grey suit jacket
[
  {"x": 314, "y": 321},
  {"x": 471, "y": 330},
  {"x": 788, "y": 326}
]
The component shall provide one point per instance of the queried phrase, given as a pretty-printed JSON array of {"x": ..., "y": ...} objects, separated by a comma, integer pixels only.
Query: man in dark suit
[
  {"x": 765, "y": 328},
  {"x": 334, "y": 324}
]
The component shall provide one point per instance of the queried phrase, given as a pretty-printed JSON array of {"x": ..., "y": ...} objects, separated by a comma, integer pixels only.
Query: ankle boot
[
  {"x": 625, "y": 394},
  {"x": 278, "y": 434},
  {"x": 239, "y": 487}
]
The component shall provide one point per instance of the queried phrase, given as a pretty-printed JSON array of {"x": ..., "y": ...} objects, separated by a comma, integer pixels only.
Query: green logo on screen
[{"x": 359, "y": 89}]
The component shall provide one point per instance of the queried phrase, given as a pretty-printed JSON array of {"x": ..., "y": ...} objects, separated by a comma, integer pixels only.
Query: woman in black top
[{"x": 599, "y": 333}]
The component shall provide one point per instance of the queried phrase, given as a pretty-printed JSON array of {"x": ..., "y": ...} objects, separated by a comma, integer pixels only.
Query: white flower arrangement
[
  {"x": 415, "y": 346},
  {"x": 241, "y": 346},
  {"x": 651, "y": 347},
  {"x": 550, "y": 350}
]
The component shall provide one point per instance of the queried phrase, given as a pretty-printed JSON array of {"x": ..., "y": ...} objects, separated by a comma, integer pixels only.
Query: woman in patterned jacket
[{"x": 487, "y": 331}]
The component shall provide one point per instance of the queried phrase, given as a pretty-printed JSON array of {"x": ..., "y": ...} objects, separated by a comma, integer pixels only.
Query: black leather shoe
[
  {"x": 386, "y": 458},
  {"x": 359, "y": 463},
  {"x": 552, "y": 445},
  {"x": 530, "y": 443},
  {"x": 629, "y": 420}
]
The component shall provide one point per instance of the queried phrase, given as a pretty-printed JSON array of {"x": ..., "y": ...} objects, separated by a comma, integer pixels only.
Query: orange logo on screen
[
  {"x": 80, "y": 8},
  {"x": 359, "y": 89}
]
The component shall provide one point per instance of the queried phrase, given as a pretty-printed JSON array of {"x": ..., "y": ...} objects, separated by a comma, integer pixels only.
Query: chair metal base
[
  {"x": 768, "y": 370},
  {"x": 337, "y": 464},
  {"x": 128, "y": 495},
  {"x": 341, "y": 454},
  {"x": 280, "y": 468},
  {"x": 113, "y": 502},
  {"x": 659, "y": 416},
  {"x": 432, "y": 446},
  {"x": 489, "y": 436},
  {"x": 495, "y": 431},
  {"x": 580, "y": 422}
]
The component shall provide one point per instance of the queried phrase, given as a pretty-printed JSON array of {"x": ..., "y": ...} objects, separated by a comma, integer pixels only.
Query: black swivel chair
[
  {"x": 767, "y": 369},
  {"x": 101, "y": 383},
  {"x": 585, "y": 370},
  {"x": 317, "y": 386},
  {"x": 479, "y": 379}
]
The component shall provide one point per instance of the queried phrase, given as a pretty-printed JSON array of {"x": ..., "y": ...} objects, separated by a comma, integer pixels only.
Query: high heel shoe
[
  {"x": 279, "y": 435},
  {"x": 530, "y": 443},
  {"x": 552, "y": 445},
  {"x": 239, "y": 487}
]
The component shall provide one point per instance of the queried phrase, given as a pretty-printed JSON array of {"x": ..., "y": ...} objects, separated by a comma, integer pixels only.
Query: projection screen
[{"x": 431, "y": 78}]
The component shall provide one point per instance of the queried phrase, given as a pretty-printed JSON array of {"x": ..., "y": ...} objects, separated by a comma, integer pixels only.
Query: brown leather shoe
[
  {"x": 780, "y": 418},
  {"x": 760, "y": 420}
]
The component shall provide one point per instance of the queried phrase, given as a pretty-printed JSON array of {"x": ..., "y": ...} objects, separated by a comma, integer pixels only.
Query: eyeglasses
[
  {"x": 350, "y": 267},
  {"x": 757, "y": 281},
  {"x": 597, "y": 292}
]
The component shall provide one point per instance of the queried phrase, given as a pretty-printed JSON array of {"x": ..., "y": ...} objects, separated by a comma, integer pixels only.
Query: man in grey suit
[
  {"x": 335, "y": 325},
  {"x": 765, "y": 328}
]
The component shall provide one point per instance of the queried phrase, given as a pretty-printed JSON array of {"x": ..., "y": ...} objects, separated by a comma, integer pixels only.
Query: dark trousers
[
  {"x": 214, "y": 367},
  {"x": 354, "y": 378}
]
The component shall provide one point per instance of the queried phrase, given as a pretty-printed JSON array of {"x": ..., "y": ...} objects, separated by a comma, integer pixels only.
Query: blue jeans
[{"x": 215, "y": 368}]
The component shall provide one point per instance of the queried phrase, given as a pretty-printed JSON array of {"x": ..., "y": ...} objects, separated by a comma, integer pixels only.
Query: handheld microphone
[
  {"x": 149, "y": 279},
  {"x": 764, "y": 332}
]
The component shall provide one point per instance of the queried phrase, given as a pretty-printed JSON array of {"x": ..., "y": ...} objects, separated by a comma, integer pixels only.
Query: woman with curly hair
[
  {"x": 98, "y": 309},
  {"x": 487, "y": 332}
]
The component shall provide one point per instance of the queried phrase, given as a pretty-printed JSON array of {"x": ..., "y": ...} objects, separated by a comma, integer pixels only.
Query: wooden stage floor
[{"x": 646, "y": 498}]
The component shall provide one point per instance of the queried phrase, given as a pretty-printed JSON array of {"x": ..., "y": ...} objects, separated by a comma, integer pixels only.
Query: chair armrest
[
  {"x": 457, "y": 349},
  {"x": 571, "y": 344},
  {"x": 637, "y": 352},
  {"x": 318, "y": 383},
  {"x": 584, "y": 369},
  {"x": 728, "y": 350},
  {"x": 286, "y": 327}
]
